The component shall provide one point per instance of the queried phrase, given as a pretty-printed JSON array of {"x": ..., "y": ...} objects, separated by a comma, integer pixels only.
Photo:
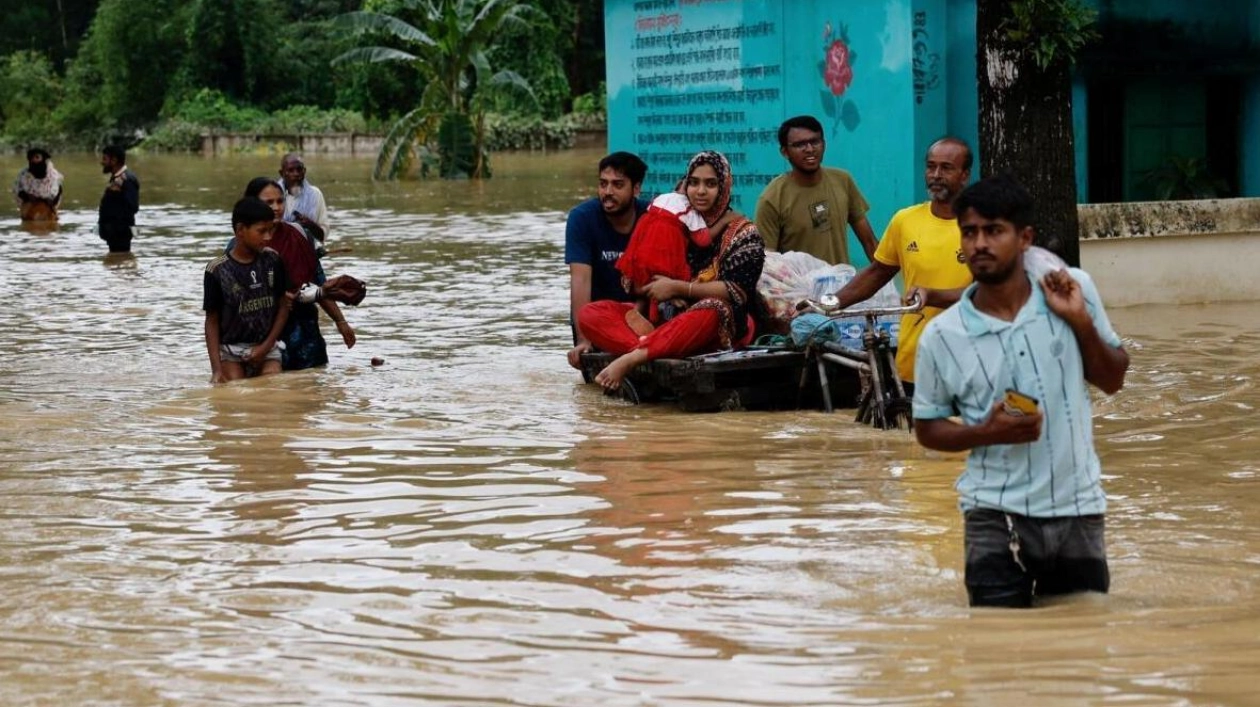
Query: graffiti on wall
[
  {"x": 927, "y": 63},
  {"x": 705, "y": 73}
]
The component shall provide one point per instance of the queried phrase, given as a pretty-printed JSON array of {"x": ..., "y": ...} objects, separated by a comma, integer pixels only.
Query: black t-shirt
[{"x": 245, "y": 295}]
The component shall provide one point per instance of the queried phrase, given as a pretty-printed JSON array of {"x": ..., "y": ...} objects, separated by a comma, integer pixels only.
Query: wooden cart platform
[{"x": 756, "y": 378}]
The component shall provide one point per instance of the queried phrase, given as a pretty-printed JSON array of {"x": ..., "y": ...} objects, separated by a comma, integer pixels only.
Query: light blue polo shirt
[{"x": 967, "y": 359}]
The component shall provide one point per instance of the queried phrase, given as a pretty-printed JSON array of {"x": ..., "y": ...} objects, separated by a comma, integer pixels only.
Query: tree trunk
[
  {"x": 1026, "y": 128},
  {"x": 61, "y": 20}
]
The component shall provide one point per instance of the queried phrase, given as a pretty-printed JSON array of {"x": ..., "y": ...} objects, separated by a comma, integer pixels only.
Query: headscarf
[
  {"x": 736, "y": 256},
  {"x": 38, "y": 169},
  {"x": 722, "y": 168},
  {"x": 45, "y": 187}
]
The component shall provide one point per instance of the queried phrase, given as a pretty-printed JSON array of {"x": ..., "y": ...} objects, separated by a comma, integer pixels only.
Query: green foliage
[
  {"x": 1181, "y": 178},
  {"x": 209, "y": 111},
  {"x": 581, "y": 24},
  {"x": 375, "y": 90},
  {"x": 587, "y": 121},
  {"x": 448, "y": 42},
  {"x": 590, "y": 110},
  {"x": 53, "y": 29},
  {"x": 593, "y": 103},
  {"x": 528, "y": 132},
  {"x": 174, "y": 136},
  {"x": 296, "y": 68},
  {"x": 458, "y": 151},
  {"x": 222, "y": 47},
  {"x": 123, "y": 68},
  {"x": 205, "y": 111},
  {"x": 214, "y": 111},
  {"x": 79, "y": 115},
  {"x": 531, "y": 52},
  {"x": 1050, "y": 30},
  {"x": 29, "y": 88},
  {"x": 312, "y": 119}
]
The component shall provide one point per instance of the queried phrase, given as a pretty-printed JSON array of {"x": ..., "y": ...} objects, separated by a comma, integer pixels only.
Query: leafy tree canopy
[
  {"x": 448, "y": 42},
  {"x": 113, "y": 69}
]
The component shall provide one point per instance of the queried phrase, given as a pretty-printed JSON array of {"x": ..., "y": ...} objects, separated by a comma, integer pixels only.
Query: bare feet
[
  {"x": 610, "y": 378},
  {"x": 638, "y": 323}
]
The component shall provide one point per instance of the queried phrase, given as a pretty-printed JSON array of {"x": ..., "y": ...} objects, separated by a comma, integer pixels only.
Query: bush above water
[
  {"x": 209, "y": 112},
  {"x": 528, "y": 133}
]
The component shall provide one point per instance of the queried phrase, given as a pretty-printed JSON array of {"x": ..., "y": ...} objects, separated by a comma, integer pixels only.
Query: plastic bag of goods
[{"x": 788, "y": 278}]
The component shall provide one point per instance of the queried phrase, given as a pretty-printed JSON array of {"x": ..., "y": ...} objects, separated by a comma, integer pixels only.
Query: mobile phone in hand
[{"x": 1019, "y": 404}]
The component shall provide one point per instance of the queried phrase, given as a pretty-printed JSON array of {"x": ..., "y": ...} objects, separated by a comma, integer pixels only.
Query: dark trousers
[
  {"x": 1012, "y": 558},
  {"x": 117, "y": 236}
]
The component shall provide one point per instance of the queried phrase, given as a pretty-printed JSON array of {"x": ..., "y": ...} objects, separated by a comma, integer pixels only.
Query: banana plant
[{"x": 447, "y": 42}]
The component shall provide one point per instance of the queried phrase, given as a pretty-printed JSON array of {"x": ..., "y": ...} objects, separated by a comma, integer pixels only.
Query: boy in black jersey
[{"x": 245, "y": 299}]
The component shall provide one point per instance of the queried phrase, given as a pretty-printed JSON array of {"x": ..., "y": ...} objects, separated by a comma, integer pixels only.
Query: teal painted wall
[
  {"x": 962, "y": 99},
  {"x": 1080, "y": 138},
  {"x": 1250, "y": 127},
  {"x": 1222, "y": 37},
  {"x": 930, "y": 76},
  {"x": 686, "y": 75},
  {"x": 1251, "y": 140},
  {"x": 1215, "y": 19},
  {"x": 683, "y": 77}
]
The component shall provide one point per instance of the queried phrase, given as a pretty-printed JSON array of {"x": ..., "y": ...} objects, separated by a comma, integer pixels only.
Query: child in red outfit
[{"x": 658, "y": 246}]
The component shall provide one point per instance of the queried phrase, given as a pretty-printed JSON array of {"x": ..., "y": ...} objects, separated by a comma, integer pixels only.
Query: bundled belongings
[
  {"x": 345, "y": 289},
  {"x": 788, "y": 278}
]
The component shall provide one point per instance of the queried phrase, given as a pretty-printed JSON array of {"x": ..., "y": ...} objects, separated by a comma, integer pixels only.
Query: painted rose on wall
[
  {"x": 836, "y": 69},
  {"x": 838, "y": 73}
]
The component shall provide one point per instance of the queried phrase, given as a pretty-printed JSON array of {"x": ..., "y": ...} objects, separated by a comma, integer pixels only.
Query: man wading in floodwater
[{"x": 1031, "y": 493}]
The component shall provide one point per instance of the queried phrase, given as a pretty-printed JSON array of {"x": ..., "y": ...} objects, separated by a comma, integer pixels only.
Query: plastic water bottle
[{"x": 824, "y": 284}]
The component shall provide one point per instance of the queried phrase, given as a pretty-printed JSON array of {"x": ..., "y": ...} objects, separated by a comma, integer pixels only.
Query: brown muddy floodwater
[{"x": 468, "y": 525}]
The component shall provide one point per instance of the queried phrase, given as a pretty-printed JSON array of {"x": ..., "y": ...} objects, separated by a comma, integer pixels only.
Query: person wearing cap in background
[{"x": 38, "y": 187}]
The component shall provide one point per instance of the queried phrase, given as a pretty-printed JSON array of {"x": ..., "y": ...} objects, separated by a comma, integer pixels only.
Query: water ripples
[{"x": 465, "y": 524}]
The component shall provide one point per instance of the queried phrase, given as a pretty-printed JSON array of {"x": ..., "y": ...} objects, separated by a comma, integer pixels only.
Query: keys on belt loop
[{"x": 1013, "y": 544}]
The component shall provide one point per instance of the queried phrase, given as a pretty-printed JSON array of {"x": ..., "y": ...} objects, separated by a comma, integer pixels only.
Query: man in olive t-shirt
[{"x": 810, "y": 208}]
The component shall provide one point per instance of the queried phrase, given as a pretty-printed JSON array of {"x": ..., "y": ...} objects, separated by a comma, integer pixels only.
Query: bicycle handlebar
[{"x": 827, "y": 306}]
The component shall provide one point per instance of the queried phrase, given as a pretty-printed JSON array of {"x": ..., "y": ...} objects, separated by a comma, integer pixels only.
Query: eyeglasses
[{"x": 814, "y": 142}]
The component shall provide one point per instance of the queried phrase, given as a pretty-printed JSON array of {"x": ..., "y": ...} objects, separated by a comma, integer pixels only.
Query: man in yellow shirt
[{"x": 923, "y": 242}]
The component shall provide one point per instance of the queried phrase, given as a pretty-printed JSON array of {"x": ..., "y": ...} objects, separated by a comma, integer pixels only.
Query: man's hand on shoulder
[{"x": 1065, "y": 298}]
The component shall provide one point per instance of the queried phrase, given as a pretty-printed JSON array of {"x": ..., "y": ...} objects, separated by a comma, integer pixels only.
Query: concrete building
[{"x": 1169, "y": 97}]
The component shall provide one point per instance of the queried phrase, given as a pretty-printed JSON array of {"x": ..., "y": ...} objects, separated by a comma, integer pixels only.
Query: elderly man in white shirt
[{"x": 303, "y": 201}]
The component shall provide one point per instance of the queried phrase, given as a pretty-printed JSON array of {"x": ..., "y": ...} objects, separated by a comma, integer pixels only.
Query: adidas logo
[{"x": 913, "y": 247}]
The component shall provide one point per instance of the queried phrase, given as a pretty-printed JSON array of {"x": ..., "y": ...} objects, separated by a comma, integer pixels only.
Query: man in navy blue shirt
[
  {"x": 116, "y": 223},
  {"x": 595, "y": 235}
]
